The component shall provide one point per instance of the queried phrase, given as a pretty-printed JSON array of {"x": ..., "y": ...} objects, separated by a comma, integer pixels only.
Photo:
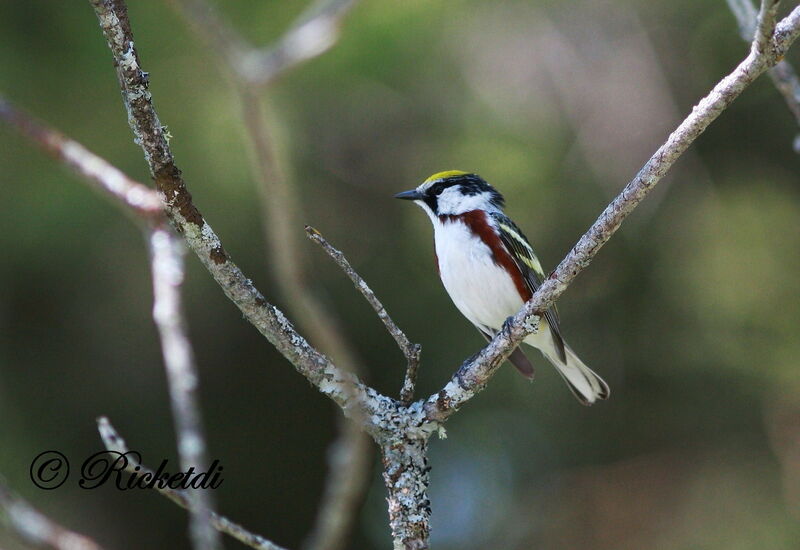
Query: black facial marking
[{"x": 471, "y": 185}]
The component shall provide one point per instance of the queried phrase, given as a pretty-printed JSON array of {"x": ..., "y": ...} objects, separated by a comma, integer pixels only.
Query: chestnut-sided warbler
[{"x": 489, "y": 270}]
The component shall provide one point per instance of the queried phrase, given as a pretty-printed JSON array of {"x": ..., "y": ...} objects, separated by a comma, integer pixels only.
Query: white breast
[{"x": 481, "y": 290}]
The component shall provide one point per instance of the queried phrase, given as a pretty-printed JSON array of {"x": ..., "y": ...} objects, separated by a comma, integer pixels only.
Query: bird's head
[{"x": 452, "y": 193}]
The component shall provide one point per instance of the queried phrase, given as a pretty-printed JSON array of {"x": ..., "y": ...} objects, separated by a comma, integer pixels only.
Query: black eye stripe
[{"x": 471, "y": 185}]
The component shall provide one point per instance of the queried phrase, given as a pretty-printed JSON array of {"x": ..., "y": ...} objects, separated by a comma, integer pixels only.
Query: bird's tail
[{"x": 584, "y": 383}]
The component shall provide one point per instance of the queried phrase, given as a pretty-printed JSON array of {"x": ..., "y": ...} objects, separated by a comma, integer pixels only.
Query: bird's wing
[
  {"x": 517, "y": 357},
  {"x": 521, "y": 251}
]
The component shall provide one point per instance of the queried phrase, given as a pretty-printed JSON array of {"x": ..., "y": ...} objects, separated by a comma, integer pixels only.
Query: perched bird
[{"x": 489, "y": 270}]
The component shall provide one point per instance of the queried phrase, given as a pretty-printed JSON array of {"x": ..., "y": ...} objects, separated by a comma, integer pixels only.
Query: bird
[{"x": 490, "y": 270}]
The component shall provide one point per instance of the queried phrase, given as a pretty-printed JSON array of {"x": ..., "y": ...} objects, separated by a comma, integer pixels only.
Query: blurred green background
[{"x": 690, "y": 312}]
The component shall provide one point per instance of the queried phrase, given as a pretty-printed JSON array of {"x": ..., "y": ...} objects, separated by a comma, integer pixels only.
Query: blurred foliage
[{"x": 690, "y": 312}]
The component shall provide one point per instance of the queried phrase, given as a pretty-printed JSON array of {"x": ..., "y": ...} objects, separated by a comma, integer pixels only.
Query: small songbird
[{"x": 489, "y": 270}]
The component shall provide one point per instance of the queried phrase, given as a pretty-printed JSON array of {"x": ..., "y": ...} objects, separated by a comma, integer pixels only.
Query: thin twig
[
  {"x": 35, "y": 528},
  {"x": 783, "y": 75},
  {"x": 115, "y": 443},
  {"x": 474, "y": 373},
  {"x": 410, "y": 350},
  {"x": 269, "y": 320},
  {"x": 314, "y": 32},
  {"x": 133, "y": 196},
  {"x": 166, "y": 253}
]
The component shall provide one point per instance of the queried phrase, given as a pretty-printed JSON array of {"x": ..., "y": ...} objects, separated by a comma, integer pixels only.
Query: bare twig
[
  {"x": 474, "y": 373},
  {"x": 314, "y": 32},
  {"x": 201, "y": 238},
  {"x": 115, "y": 443},
  {"x": 411, "y": 351},
  {"x": 36, "y": 528},
  {"x": 133, "y": 196},
  {"x": 783, "y": 75},
  {"x": 166, "y": 256}
]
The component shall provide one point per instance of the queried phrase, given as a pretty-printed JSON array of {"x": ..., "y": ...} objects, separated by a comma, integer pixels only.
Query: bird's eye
[{"x": 437, "y": 189}]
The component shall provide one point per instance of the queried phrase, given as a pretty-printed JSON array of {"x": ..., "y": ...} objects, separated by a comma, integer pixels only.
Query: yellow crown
[{"x": 445, "y": 174}]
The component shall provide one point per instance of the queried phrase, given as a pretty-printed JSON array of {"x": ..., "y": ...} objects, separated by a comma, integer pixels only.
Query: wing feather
[{"x": 525, "y": 259}]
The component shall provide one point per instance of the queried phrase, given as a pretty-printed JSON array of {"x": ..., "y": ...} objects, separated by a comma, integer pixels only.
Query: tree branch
[
  {"x": 36, "y": 528},
  {"x": 783, "y": 75},
  {"x": 411, "y": 351},
  {"x": 115, "y": 443},
  {"x": 474, "y": 373},
  {"x": 200, "y": 237}
]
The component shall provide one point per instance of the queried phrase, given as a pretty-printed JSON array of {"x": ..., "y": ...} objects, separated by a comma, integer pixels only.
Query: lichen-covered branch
[
  {"x": 34, "y": 527},
  {"x": 115, "y": 443},
  {"x": 474, "y": 373},
  {"x": 783, "y": 75},
  {"x": 406, "y": 476},
  {"x": 166, "y": 258},
  {"x": 410, "y": 350},
  {"x": 350, "y": 454},
  {"x": 342, "y": 387}
]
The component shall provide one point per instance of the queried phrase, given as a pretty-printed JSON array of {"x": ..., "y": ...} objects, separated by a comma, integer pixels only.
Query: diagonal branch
[
  {"x": 783, "y": 75},
  {"x": 344, "y": 388},
  {"x": 411, "y": 351},
  {"x": 36, "y": 528},
  {"x": 116, "y": 444},
  {"x": 314, "y": 32},
  {"x": 474, "y": 373}
]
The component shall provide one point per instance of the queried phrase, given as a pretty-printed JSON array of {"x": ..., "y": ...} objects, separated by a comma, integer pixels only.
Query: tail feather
[{"x": 584, "y": 383}]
